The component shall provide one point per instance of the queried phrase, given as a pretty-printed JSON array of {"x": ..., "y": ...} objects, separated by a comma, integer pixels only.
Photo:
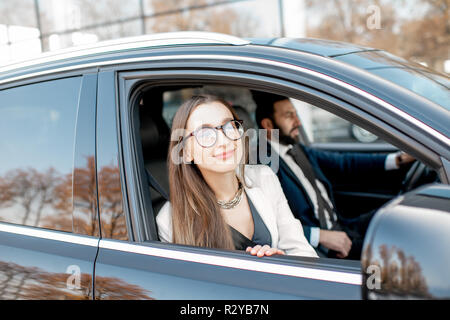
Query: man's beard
[{"x": 283, "y": 138}]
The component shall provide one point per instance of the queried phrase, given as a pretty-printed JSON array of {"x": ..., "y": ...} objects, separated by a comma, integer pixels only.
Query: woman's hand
[{"x": 262, "y": 251}]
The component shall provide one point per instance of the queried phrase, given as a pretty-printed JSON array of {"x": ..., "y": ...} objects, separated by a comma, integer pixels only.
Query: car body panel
[
  {"x": 178, "y": 272},
  {"x": 84, "y": 212},
  {"x": 404, "y": 246},
  {"x": 115, "y": 223},
  {"x": 321, "y": 47},
  {"x": 45, "y": 264}
]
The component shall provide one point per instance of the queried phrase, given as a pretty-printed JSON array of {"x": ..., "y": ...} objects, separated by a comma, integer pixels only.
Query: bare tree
[
  {"x": 423, "y": 38},
  {"x": 29, "y": 189},
  {"x": 96, "y": 13},
  {"x": 215, "y": 19}
]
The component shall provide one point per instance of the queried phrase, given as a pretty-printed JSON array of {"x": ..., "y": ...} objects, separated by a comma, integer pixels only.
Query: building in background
[{"x": 47, "y": 25}]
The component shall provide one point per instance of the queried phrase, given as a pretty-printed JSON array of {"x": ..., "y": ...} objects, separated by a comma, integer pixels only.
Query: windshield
[
  {"x": 432, "y": 86},
  {"x": 410, "y": 75}
]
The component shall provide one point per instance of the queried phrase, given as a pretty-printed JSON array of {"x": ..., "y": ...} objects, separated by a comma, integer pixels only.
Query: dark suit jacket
[{"x": 333, "y": 165}]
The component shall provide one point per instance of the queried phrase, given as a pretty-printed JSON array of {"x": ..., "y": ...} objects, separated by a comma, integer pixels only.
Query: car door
[
  {"x": 48, "y": 220},
  {"x": 132, "y": 267},
  {"x": 147, "y": 268}
]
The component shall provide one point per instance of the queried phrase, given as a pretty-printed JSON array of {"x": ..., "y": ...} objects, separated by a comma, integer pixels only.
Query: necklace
[{"x": 233, "y": 202}]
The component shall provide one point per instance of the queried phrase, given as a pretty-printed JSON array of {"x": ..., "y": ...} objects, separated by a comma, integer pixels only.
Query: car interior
[{"x": 157, "y": 106}]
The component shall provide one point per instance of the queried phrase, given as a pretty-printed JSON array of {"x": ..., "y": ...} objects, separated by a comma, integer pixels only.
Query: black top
[{"x": 261, "y": 234}]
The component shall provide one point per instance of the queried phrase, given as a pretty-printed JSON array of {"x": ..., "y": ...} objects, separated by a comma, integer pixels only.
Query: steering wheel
[{"x": 412, "y": 177}]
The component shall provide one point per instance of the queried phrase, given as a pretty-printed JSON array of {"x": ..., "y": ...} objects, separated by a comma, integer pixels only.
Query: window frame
[
  {"x": 82, "y": 93},
  {"x": 85, "y": 142},
  {"x": 107, "y": 97},
  {"x": 241, "y": 74}
]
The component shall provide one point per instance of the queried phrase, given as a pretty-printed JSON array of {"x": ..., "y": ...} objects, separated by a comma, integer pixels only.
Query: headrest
[
  {"x": 155, "y": 133},
  {"x": 149, "y": 134},
  {"x": 244, "y": 115}
]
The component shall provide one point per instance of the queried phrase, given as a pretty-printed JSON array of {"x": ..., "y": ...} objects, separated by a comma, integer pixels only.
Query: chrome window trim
[
  {"x": 130, "y": 43},
  {"x": 49, "y": 234},
  {"x": 236, "y": 263},
  {"x": 350, "y": 87}
]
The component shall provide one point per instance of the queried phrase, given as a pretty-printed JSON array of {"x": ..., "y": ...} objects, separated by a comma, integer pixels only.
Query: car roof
[
  {"x": 128, "y": 43},
  {"x": 326, "y": 48},
  {"x": 357, "y": 55}
]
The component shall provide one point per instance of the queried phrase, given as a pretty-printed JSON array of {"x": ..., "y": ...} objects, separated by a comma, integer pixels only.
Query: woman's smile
[{"x": 225, "y": 155}]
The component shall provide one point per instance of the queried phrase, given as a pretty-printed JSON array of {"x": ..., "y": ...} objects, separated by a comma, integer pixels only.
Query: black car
[{"x": 81, "y": 129}]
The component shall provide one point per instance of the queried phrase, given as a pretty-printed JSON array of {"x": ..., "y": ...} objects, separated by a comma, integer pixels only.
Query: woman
[{"x": 215, "y": 200}]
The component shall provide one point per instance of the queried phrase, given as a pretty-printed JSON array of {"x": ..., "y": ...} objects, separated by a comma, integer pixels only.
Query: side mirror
[{"x": 406, "y": 250}]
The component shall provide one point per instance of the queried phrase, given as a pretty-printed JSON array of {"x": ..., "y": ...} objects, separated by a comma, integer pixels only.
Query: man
[{"x": 302, "y": 174}]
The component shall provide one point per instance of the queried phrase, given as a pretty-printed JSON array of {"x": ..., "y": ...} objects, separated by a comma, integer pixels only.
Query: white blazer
[{"x": 264, "y": 190}]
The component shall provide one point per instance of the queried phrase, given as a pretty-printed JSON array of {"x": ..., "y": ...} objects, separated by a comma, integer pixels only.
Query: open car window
[{"x": 158, "y": 105}]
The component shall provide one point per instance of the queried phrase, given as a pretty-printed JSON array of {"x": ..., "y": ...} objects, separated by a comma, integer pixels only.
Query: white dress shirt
[{"x": 282, "y": 150}]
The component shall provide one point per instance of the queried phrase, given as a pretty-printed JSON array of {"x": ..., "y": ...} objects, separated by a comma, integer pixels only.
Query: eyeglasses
[{"x": 207, "y": 136}]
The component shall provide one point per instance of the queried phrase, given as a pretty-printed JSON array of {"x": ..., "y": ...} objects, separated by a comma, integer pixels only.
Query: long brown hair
[{"x": 196, "y": 217}]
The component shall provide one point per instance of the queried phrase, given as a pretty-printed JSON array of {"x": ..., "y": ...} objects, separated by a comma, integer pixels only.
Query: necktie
[{"x": 302, "y": 161}]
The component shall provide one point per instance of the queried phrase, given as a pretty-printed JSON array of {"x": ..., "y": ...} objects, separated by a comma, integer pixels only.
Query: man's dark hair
[{"x": 265, "y": 105}]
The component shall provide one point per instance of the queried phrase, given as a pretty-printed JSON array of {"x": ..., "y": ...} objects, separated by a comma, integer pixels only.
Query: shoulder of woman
[
  {"x": 164, "y": 223},
  {"x": 164, "y": 215},
  {"x": 258, "y": 173}
]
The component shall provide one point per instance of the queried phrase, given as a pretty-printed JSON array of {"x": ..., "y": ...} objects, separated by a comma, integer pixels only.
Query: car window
[
  {"x": 414, "y": 77},
  {"x": 431, "y": 86},
  {"x": 172, "y": 101},
  {"x": 240, "y": 98},
  {"x": 321, "y": 126},
  {"x": 318, "y": 124},
  {"x": 37, "y": 128}
]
